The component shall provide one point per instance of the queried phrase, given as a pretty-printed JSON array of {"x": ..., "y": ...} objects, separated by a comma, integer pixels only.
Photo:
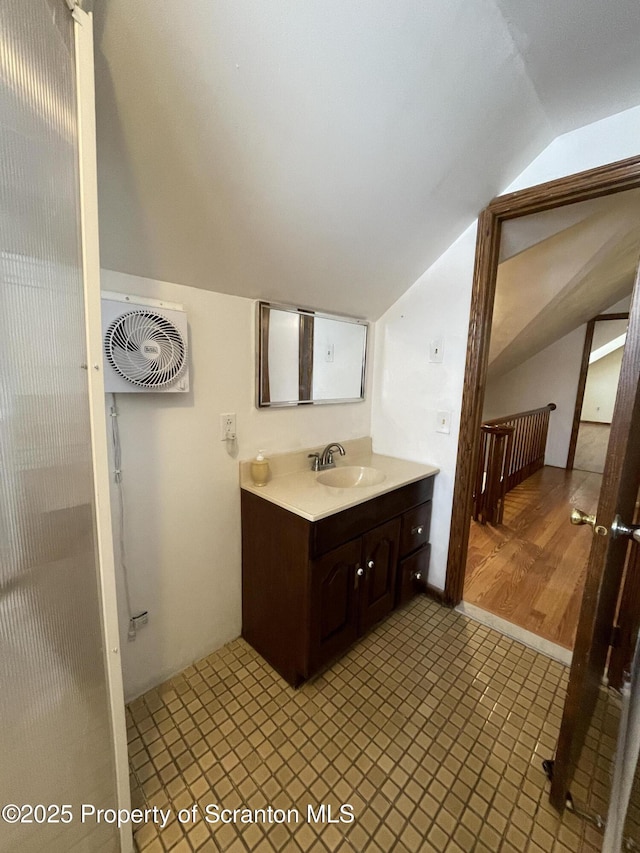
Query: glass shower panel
[{"x": 55, "y": 735}]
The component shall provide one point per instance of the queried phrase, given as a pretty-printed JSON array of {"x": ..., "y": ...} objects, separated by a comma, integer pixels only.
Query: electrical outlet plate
[{"x": 228, "y": 426}]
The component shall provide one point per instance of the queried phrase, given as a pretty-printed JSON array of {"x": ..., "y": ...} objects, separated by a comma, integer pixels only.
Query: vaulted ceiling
[
  {"x": 558, "y": 270},
  {"x": 325, "y": 153}
]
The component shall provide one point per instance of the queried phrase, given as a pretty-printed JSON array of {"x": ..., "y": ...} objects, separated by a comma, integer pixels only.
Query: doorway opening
[
  {"x": 585, "y": 186},
  {"x": 605, "y": 614},
  {"x": 558, "y": 326}
]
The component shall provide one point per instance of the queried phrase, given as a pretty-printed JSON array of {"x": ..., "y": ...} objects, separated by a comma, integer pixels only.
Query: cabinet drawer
[
  {"x": 408, "y": 584},
  {"x": 331, "y": 531},
  {"x": 415, "y": 528}
]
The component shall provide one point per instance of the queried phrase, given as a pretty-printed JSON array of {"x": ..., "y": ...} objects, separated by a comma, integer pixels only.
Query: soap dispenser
[{"x": 260, "y": 469}]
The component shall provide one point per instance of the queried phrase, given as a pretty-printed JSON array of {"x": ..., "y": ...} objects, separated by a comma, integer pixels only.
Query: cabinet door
[
  {"x": 333, "y": 619},
  {"x": 378, "y": 585}
]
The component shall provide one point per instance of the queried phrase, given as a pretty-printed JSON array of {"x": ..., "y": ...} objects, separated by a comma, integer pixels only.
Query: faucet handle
[{"x": 315, "y": 465}]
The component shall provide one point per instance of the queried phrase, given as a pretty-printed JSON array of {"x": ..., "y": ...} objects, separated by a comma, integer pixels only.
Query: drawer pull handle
[
  {"x": 359, "y": 571},
  {"x": 419, "y": 529},
  {"x": 370, "y": 564}
]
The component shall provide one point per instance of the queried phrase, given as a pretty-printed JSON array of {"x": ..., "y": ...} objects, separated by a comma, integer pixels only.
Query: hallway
[{"x": 531, "y": 569}]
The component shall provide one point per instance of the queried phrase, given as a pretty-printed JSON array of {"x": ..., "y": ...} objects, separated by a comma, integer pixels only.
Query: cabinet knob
[
  {"x": 359, "y": 571},
  {"x": 419, "y": 529},
  {"x": 417, "y": 575},
  {"x": 370, "y": 564}
]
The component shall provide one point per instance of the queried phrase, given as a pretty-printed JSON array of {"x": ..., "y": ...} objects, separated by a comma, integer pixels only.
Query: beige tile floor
[{"x": 433, "y": 729}]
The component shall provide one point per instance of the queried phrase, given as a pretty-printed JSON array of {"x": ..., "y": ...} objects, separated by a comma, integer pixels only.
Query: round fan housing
[{"x": 145, "y": 348}]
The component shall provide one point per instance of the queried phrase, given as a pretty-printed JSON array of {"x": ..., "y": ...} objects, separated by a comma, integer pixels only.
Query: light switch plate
[
  {"x": 443, "y": 422},
  {"x": 436, "y": 351}
]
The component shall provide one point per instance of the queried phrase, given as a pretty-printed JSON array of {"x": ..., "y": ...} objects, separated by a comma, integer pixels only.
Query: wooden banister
[
  {"x": 551, "y": 407},
  {"x": 511, "y": 449}
]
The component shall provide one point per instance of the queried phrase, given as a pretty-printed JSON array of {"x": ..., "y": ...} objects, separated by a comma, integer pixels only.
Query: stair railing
[{"x": 511, "y": 449}]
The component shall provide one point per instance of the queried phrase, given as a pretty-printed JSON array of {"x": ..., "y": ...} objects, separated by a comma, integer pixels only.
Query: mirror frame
[{"x": 262, "y": 359}]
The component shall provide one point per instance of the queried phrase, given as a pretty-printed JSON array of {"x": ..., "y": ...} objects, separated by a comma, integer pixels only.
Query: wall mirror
[{"x": 308, "y": 357}]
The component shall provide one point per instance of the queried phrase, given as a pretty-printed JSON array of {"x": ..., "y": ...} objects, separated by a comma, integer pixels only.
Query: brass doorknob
[{"x": 579, "y": 517}]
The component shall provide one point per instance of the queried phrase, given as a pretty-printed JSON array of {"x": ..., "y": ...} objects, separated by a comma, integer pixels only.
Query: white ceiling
[{"x": 325, "y": 153}]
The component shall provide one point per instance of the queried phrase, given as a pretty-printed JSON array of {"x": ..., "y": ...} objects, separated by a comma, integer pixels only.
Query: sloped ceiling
[
  {"x": 566, "y": 268},
  {"x": 325, "y": 153}
]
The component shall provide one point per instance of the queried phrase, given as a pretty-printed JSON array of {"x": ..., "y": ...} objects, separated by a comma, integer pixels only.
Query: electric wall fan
[{"x": 145, "y": 345}]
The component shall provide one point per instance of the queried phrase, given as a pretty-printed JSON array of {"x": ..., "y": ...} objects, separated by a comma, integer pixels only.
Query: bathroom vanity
[{"x": 323, "y": 563}]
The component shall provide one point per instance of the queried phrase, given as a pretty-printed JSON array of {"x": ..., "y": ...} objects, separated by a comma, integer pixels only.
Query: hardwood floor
[
  {"x": 531, "y": 569},
  {"x": 591, "y": 447}
]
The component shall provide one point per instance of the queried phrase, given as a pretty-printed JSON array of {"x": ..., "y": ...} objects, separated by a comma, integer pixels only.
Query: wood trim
[
  {"x": 623, "y": 315},
  {"x": 262, "y": 319},
  {"x": 583, "y": 186},
  {"x": 582, "y": 383},
  {"x": 551, "y": 407},
  {"x": 305, "y": 363},
  {"x": 475, "y": 377},
  {"x": 438, "y": 595}
]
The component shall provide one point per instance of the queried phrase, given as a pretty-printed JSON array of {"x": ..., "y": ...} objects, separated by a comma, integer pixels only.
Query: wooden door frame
[
  {"x": 583, "y": 186},
  {"x": 582, "y": 380}
]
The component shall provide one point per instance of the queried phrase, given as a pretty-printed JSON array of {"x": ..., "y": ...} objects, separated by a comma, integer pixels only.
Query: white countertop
[{"x": 299, "y": 491}]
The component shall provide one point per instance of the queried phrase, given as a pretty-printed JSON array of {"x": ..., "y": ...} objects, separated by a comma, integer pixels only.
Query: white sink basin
[{"x": 351, "y": 476}]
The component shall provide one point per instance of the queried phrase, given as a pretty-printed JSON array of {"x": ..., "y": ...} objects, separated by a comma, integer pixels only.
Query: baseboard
[{"x": 435, "y": 593}]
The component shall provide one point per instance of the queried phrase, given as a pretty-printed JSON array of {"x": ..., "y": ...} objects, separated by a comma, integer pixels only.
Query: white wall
[
  {"x": 550, "y": 376},
  {"x": 181, "y": 485},
  {"x": 408, "y": 391},
  {"x": 601, "y": 388}
]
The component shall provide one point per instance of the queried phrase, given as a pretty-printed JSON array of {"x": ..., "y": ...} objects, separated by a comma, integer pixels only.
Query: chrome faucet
[{"x": 324, "y": 460}]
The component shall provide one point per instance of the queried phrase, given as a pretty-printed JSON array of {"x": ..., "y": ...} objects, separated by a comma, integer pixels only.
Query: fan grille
[{"x": 145, "y": 348}]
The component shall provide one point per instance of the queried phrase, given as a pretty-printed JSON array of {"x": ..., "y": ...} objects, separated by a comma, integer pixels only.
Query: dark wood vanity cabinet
[
  {"x": 310, "y": 589},
  {"x": 352, "y": 587}
]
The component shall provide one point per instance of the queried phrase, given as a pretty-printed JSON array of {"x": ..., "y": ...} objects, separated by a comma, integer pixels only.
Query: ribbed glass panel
[{"x": 55, "y": 741}]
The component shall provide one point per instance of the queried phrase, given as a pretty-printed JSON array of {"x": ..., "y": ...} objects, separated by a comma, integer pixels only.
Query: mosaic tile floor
[{"x": 432, "y": 729}]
